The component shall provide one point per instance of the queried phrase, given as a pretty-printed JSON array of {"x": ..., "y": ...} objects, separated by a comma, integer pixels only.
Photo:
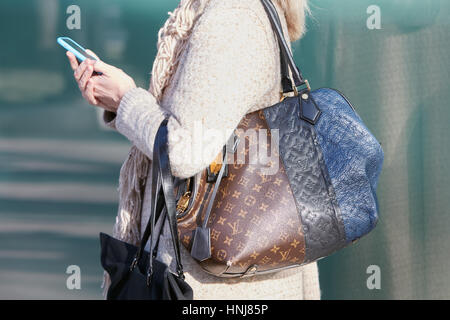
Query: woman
[{"x": 217, "y": 60}]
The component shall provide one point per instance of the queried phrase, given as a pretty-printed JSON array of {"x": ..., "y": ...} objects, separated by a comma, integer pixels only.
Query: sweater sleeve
[{"x": 228, "y": 66}]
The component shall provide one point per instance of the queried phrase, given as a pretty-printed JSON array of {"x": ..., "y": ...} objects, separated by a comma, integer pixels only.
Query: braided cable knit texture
[{"x": 230, "y": 67}]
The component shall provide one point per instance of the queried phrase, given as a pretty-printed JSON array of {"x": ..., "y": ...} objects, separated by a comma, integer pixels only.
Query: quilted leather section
[
  {"x": 354, "y": 159},
  {"x": 309, "y": 180}
]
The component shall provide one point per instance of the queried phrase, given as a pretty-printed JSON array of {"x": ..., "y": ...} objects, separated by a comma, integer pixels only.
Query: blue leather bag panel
[
  {"x": 354, "y": 159},
  {"x": 308, "y": 178}
]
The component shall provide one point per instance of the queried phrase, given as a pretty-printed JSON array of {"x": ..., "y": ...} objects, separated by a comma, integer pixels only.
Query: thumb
[
  {"x": 100, "y": 66},
  {"x": 90, "y": 52}
]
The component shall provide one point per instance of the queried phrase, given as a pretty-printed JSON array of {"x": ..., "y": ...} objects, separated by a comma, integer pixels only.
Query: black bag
[{"x": 136, "y": 274}]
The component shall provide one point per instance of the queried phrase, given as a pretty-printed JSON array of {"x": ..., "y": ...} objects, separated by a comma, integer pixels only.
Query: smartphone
[{"x": 70, "y": 45}]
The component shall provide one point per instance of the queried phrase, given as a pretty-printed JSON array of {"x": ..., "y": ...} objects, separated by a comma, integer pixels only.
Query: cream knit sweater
[{"x": 230, "y": 67}]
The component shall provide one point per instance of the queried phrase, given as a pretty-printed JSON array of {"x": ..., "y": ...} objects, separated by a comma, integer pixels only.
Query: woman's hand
[{"x": 103, "y": 90}]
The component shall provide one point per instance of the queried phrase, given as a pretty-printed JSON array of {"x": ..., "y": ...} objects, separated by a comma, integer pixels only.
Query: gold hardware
[
  {"x": 215, "y": 166},
  {"x": 183, "y": 202},
  {"x": 288, "y": 94},
  {"x": 294, "y": 88},
  {"x": 307, "y": 85}
]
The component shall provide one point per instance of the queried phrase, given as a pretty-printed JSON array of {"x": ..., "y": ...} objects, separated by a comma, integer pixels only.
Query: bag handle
[
  {"x": 160, "y": 152},
  {"x": 157, "y": 208},
  {"x": 163, "y": 203},
  {"x": 286, "y": 59}
]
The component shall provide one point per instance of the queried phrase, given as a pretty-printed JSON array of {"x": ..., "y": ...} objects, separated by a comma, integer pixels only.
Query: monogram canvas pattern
[{"x": 254, "y": 224}]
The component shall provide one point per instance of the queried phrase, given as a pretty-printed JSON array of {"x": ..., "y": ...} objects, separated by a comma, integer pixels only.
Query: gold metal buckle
[{"x": 294, "y": 88}]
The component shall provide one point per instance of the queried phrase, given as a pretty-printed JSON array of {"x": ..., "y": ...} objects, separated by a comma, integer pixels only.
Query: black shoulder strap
[
  {"x": 161, "y": 153},
  {"x": 286, "y": 59},
  {"x": 163, "y": 203},
  {"x": 157, "y": 212}
]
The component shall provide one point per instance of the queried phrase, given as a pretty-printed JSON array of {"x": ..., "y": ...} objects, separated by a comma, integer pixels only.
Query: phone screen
[
  {"x": 78, "y": 48},
  {"x": 75, "y": 48}
]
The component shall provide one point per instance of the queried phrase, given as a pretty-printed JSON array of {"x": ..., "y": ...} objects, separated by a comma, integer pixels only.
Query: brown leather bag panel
[{"x": 254, "y": 220}]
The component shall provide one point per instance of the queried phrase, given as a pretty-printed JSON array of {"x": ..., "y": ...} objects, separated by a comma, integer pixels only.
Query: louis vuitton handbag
[{"x": 237, "y": 220}]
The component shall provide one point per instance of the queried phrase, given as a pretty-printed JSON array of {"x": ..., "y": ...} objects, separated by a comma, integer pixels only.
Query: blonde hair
[
  {"x": 294, "y": 12},
  {"x": 174, "y": 35}
]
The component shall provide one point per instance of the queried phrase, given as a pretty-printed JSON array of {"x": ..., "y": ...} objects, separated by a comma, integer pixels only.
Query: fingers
[
  {"x": 73, "y": 60},
  {"x": 104, "y": 68},
  {"x": 99, "y": 66},
  {"x": 83, "y": 73},
  {"x": 87, "y": 74},
  {"x": 80, "y": 70},
  {"x": 89, "y": 92}
]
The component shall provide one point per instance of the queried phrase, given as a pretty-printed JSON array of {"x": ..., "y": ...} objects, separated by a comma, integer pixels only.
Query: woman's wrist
[
  {"x": 127, "y": 87},
  {"x": 130, "y": 85}
]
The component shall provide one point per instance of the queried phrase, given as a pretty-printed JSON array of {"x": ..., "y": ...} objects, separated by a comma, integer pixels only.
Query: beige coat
[{"x": 230, "y": 67}]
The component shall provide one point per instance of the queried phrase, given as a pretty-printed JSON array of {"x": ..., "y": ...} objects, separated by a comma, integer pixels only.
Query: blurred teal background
[{"x": 59, "y": 165}]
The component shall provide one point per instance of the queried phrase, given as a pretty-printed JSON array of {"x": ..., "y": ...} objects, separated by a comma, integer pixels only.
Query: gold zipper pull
[{"x": 183, "y": 203}]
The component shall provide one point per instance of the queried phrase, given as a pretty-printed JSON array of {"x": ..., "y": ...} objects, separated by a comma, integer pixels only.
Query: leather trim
[{"x": 309, "y": 111}]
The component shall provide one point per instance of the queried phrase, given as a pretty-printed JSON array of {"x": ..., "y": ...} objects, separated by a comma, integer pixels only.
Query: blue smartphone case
[{"x": 81, "y": 56}]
